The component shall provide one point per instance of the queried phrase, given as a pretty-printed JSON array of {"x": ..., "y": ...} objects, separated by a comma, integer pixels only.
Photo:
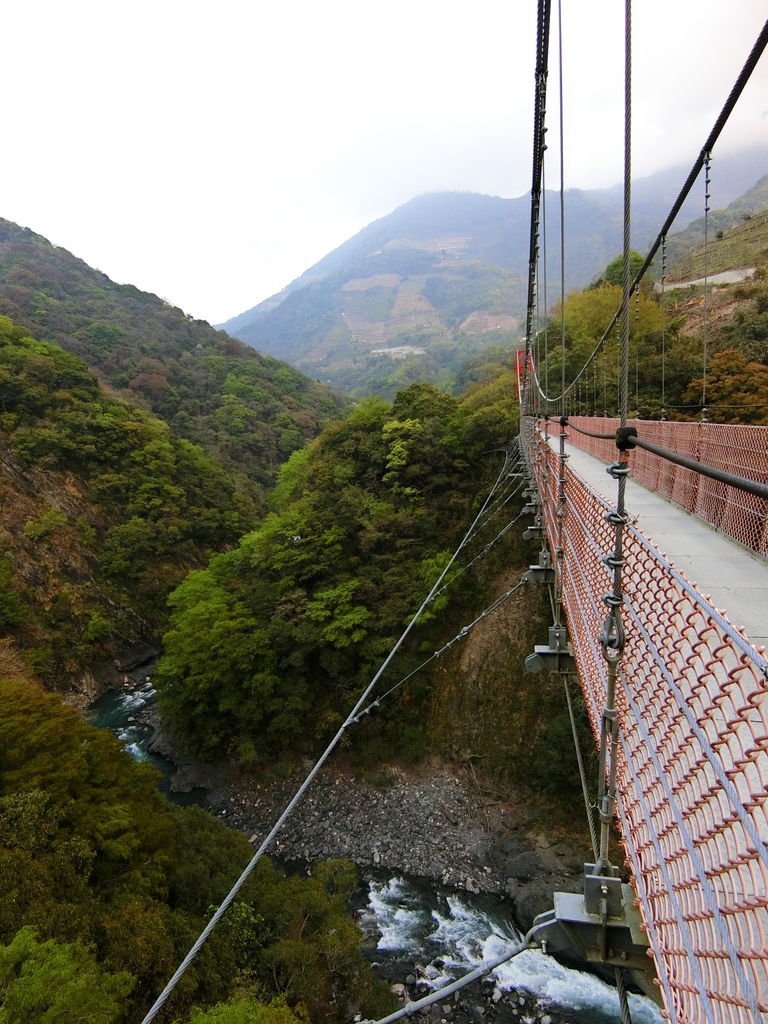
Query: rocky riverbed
[
  {"x": 433, "y": 822},
  {"x": 479, "y": 1003}
]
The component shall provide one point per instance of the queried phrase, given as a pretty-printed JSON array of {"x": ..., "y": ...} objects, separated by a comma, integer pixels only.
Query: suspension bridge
[
  {"x": 677, "y": 695},
  {"x": 690, "y": 731},
  {"x": 673, "y": 672}
]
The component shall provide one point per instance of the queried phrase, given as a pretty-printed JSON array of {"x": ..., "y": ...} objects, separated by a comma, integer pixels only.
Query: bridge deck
[
  {"x": 692, "y": 703},
  {"x": 736, "y": 580}
]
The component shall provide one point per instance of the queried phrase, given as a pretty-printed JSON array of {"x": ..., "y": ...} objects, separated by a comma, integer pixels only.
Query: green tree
[
  {"x": 57, "y": 983},
  {"x": 248, "y": 1011},
  {"x": 736, "y": 388},
  {"x": 268, "y": 645},
  {"x": 614, "y": 272}
]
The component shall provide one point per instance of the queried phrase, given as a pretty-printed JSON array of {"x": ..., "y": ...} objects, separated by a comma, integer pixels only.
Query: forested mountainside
[
  {"x": 441, "y": 278},
  {"x": 737, "y": 237},
  {"x": 104, "y": 510},
  {"x": 272, "y": 643},
  {"x": 670, "y": 336},
  {"x": 247, "y": 410},
  {"x": 305, "y": 608},
  {"x": 105, "y": 886},
  {"x": 269, "y": 643}
]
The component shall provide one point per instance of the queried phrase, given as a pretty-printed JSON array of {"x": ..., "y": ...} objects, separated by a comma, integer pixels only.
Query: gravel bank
[{"x": 432, "y": 823}]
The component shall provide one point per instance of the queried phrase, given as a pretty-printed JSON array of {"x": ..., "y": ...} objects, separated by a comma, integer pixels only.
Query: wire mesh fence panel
[
  {"x": 734, "y": 448},
  {"x": 693, "y": 758}
]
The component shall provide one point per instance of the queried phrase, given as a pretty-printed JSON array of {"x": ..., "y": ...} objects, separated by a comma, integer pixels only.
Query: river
[{"x": 439, "y": 932}]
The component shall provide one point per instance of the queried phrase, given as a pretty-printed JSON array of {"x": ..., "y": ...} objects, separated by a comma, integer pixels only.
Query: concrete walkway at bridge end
[{"x": 735, "y": 579}]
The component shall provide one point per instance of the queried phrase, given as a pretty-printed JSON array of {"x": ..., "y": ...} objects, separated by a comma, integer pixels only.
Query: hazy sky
[{"x": 211, "y": 152}]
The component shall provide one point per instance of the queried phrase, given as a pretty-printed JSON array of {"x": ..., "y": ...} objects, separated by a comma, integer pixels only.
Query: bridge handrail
[
  {"x": 693, "y": 764},
  {"x": 734, "y": 448}
]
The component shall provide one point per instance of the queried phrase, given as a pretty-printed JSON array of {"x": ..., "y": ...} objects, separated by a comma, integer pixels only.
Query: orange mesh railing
[
  {"x": 734, "y": 448},
  {"x": 693, "y": 757}
]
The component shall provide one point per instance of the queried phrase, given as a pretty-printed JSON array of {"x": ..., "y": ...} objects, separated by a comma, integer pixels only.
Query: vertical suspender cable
[
  {"x": 612, "y": 638},
  {"x": 705, "y": 325},
  {"x": 540, "y": 95},
  {"x": 563, "y": 411},
  {"x": 544, "y": 328},
  {"x": 663, "y": 329}
]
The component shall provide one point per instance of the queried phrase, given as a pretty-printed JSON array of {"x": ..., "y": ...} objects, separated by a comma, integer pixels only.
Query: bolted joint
[
  {"x": 612, "y": 636},
  {"x": 623, "y": 435},
  {"x": 533, "y": 532}
]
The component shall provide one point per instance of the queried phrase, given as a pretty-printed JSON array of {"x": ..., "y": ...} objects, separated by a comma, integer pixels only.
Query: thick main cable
[
  {"x": 229, "y": 898},
  {"x": 742, "y": 483},
  {"x": 738, "y": 87}
]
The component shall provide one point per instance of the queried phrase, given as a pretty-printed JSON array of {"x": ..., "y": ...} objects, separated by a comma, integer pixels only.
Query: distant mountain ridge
[{"x": 414, "y": 294}]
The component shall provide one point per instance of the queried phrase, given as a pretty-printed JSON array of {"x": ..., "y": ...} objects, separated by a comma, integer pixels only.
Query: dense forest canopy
[
  {"x": 267, "y": 644},
  {"x": 106, "y": 885},
  {"x": 248, "y": 410},
  {"x": 105, "y": 509}
]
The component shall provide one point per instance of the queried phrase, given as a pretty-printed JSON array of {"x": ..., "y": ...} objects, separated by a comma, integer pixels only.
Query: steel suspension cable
[
  {"x": 705, "y": 325},
  {"x": 612, "y": 638},
  {"x": 483, "y": 552},
  {"x": 663, "y": 328},
  {"x": 562, "y": 202},
  {"x": 733, "y": 97},
  {"x": 502, "y": 503},
  {"x": 447, "y": 990},
  {"x": 742, "y": 483},
  {"x": 463, "y": 632},
  {"x": 582, "y": 772},
  {"x": 295, "y": 799},
  {"x": 540, "y": 95},
  {"x": 543, "y": 328},
  {"x": 621, "y": 988}
]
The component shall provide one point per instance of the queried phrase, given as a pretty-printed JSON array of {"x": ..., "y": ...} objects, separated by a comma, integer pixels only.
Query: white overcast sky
[{"x": 212, "y": 151}]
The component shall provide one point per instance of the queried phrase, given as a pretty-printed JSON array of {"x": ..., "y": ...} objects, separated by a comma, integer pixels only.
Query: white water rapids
[
  {"x": 460, "y": 932},
  {"x": 421, "y": 923}
]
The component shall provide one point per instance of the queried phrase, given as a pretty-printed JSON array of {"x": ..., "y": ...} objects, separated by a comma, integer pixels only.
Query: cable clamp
[
  {"x": 617, "y": 470},
  {"x": 623, "y": 435},
  {"x": 616, "y": 518},
  {"x": 612, "y": 637},
  {"x": 612, "y": 561}
]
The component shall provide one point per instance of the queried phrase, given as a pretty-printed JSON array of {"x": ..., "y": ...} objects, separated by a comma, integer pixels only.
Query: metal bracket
[
  {"x": 556, "y": 656},
  {"x": 602, "y": 925},
  {"x": 533, "y": 532},
  {"x": 543, "y": 572}
]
